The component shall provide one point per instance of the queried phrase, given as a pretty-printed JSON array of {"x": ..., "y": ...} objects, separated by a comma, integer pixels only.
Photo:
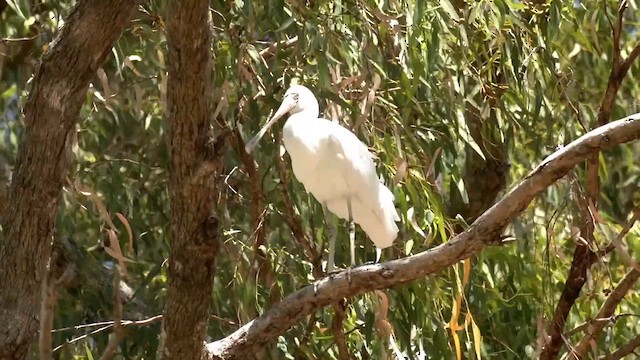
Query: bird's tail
[{"x": 378, "y": 220}]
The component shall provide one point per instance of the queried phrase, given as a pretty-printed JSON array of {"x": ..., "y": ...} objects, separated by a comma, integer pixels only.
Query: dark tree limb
[
  {"x": 485, "y": 231},
  {"x": 338, "y": 331},
  {"x": 195, "y": 158},
  {"x": 624, "y": 350},
  {"x": 595, "y": 329},
  {"x": 50, "y": 115}
]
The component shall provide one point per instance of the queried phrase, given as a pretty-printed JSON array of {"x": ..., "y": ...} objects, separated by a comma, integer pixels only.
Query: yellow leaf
[{"x": 467, "y": 271}]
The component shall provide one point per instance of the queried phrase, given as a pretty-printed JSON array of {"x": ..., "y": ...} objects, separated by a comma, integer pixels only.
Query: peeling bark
[{"x": 50, "y": 115}]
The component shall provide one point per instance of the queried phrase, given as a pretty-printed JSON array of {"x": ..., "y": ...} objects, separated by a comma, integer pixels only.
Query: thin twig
[
  {"x": 617, "y": 30},
  {"x": 621, "y": 249},
  {"x": 110, "y": 323},
  {"x": 609, "y": 320},
  {"x": 10, "y": 40},
  {"x": 270, "y": 51},
  {"x": 82, "y": 337}
]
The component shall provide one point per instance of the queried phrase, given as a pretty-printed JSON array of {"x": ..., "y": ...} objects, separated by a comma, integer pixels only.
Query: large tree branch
[
  {"x": 50, "y": 115},
  {"x": 195, "y": 159},
  {"x": 486, "y": 230}
]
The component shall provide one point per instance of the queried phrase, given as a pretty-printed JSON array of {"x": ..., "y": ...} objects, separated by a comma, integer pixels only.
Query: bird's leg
[
  {"x": 352, "y": 240},
  {"x": 332, "y": 238},
  {"x": 352, "y": 234}
]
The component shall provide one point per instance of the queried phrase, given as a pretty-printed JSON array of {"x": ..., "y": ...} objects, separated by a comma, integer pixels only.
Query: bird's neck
[{"x": 307, "y": 114}]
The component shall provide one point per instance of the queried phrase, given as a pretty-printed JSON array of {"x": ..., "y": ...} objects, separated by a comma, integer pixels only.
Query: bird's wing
[{"x": 354, "y": 160}]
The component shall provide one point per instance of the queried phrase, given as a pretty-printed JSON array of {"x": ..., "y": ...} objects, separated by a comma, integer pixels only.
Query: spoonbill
[{"x": 336, "y": 168}]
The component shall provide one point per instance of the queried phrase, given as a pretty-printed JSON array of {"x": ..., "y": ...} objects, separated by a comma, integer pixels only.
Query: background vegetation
[{"x": 458, "y": 100}]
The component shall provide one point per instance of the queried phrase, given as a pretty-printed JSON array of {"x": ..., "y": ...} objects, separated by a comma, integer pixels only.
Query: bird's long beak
[{"x": 287, "y": 104}]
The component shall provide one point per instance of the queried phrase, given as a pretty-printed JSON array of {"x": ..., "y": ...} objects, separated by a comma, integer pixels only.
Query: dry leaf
[
  {"x": 401, "y": 173},
  {"x": 125, "y": 222},
  {"x": 115, "y": 252},
  {"x": 104, "y": 81}
]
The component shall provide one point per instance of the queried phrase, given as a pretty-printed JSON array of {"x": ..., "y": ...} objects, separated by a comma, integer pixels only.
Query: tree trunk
[
  {"x": 50, "y": 115},
  {"x": 194, "y": 162}
]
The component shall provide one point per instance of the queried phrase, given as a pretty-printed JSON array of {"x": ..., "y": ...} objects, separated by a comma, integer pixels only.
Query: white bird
[{"x": 336, "y": 167}]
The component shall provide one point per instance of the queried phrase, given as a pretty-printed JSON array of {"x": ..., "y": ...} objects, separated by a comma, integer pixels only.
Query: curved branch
[{"x": 486, "y": 230}]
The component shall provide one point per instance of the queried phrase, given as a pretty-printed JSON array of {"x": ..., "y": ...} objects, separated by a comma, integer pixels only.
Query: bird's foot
[{"x": 337, "y": 271}]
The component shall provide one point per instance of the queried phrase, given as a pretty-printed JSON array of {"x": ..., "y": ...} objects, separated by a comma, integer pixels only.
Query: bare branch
[
  {"x": 260, "y": 265},
  {"x": 142, "y": 322},
  {"x": 271, "y": 50},
  {"x": 338, "y": 331},
  {"x": 606, "y": 321},
  {"x": 617, "y": 30},
  {"x": 626, "y": 63},
  {"x": 98, "y": 330},
  {"x": 607, "y": 309},
  {"x": 617, "y": 241},
  {"x": 105, "y": 325},
  {"x": 486, "y": 230},
  {"x": 624, "y": 350},
  {"x": 118, "y": 333}
]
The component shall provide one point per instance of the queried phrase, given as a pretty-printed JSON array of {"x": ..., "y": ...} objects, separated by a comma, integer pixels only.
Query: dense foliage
[{"x": 440, "y": 91}]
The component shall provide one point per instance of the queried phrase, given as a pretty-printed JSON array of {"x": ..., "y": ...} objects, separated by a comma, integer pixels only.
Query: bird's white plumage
[{"x": 334, "y": 166}]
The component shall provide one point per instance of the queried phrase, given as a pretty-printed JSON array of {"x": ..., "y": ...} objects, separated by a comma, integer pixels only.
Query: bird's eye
[{"x": 295, "y": 97}]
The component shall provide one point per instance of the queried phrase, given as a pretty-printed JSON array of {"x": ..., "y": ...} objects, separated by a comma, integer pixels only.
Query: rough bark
[
  {"x": 194, "y": 161},
  {"x": 486, "y": 230},
  {"x": 50, "y": 115}
]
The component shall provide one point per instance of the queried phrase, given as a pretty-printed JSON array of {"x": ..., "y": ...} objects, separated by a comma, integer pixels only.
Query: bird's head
[{"x": 297, "y": 99}]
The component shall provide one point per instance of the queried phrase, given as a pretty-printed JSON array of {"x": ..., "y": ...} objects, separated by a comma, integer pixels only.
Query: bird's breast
[{"x": 315, "y": 162}]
